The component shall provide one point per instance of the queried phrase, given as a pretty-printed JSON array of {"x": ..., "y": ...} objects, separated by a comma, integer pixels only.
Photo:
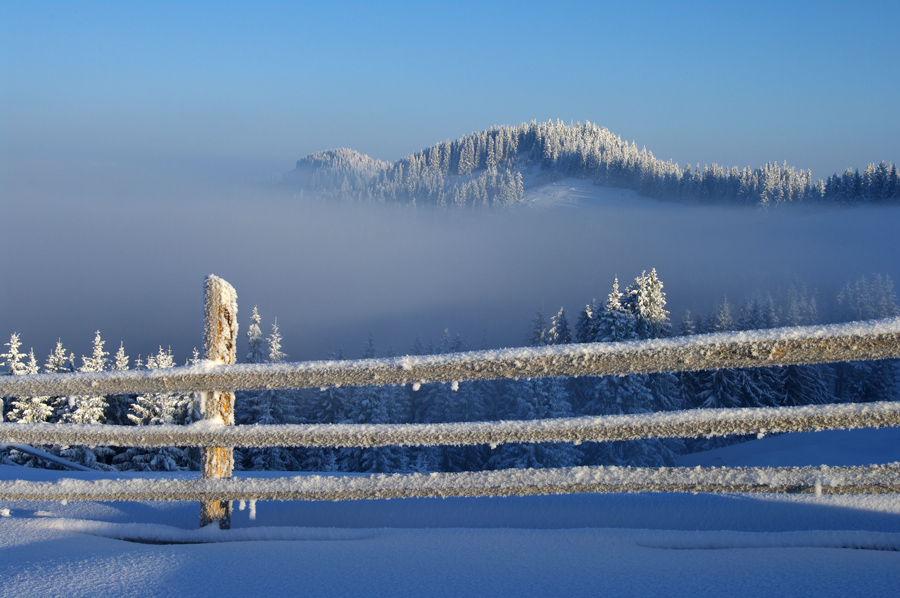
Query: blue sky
[
  {"x": 135, "y": 138},
  {"x": 812, "y": 83}
]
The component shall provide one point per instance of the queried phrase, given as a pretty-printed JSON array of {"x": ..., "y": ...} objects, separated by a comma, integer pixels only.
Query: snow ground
[
  {"x": 582, "y": 192},
  {"x": 577, "y": 545}
]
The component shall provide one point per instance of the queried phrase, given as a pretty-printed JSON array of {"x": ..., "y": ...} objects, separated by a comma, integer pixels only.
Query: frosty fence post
[{"x": 219, "y": 340}]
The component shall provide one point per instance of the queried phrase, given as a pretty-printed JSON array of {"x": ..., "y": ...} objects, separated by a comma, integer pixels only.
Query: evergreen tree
[
  {"x": 538, "y": 329},
  {"x": 13, "y": 359},
  {"x": 157, "y": 409},
  {"x": 58, "y": 361},
  {"x": 615, "y": 322},
  {"x": 256, "y": 354},
  {"x": 30, "y": 410},
  {"x": 559, "y": 334},
  {"x": 585, "y": 329},
  {"x": 646, "y": 301},
  {"x": 687, "y": 324},
  {"x": 274, "y": 344},
  {"x": 89, "y": 409}
]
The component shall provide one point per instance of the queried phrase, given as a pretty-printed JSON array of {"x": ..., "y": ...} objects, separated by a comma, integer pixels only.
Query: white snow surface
[
  {"x": 580, "y": 192},
  {"x": 572, "y": 545}
]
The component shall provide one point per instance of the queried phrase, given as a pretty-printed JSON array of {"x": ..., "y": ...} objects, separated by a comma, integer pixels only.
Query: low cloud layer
[{"x": 126, "y": 253}]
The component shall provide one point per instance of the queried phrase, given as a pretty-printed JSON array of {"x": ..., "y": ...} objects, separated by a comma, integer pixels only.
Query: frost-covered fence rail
[
  {"x": 872, "y": 479},
  {"x": 216, "y": 379},
  {"x": 875, "y": 339},
  {"x": 671, "y": 424}
]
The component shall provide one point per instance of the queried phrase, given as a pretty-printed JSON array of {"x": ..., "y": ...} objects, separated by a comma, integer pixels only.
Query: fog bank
[{"x": 124, "y": 248}]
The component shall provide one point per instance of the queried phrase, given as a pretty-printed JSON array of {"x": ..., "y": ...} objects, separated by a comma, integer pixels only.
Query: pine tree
[
  {"x": 58, "y": 361},
  {"x": 274, "y": 344},
  {"x": 538, "y": 329},
  {"x": 256, "y": 354},
  {"x": 646, "y": 301},
  {"x": 158, "y": 409},
  {"x": 30, "y": 410},
  {"x": 723, "y": 319},
  {"x": 559, "y": 334},
  {"x": 585, "y": 328},
  {"x": 13, "y": 359},
  {"x": 615, "y": 323},
  {"x": 120, "y": 360},
  {"x": 687, "y": 324},
  {"x": 89, "y": 409}
]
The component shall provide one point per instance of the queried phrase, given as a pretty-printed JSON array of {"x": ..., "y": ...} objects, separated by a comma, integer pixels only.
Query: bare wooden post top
[{"x": 219, "y": 346}]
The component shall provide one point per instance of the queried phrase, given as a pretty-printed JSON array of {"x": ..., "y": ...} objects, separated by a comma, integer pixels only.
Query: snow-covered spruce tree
[
  {"x": 538, "y": 329},
  {"x": 615, "y": 322},
  {"x": 120, "y": 405},
  {"x": 13, "y": 359},
  {"x": 558, "y": 333},
  {"x": 585, "y": 326},
  {"x": 41, "y": 409},
  {"x": 22, "y": 409},
  {"x": 646, "y": 301},
  {"x": 638, "y": 313},
  {"x": 88, "y": 409},
  {"x": 155, "y": 409},
  {"x": 19, "y": 364},
  {"x": 30, "y": 410},
  {"x": 256, "y": 353}
]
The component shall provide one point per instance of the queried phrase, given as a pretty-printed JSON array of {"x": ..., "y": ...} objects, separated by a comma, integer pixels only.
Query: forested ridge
[
  {"x": 496, "y": 166},
  {"x": 635, "y": 311}
]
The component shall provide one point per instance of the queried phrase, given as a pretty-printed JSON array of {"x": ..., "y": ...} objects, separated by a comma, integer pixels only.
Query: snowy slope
[{"x": 583, "y": 192}]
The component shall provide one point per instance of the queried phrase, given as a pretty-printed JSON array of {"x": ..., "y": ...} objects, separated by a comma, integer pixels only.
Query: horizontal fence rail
[
  {"x": 872, "y": 479},
  {"x": 216, "y": 379},
  {"x": 875, "y": 339},
  {"x": 671, "y": 424}
]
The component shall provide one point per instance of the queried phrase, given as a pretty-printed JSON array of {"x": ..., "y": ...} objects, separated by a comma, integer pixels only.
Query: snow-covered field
[{"x": 576, "y": 545}]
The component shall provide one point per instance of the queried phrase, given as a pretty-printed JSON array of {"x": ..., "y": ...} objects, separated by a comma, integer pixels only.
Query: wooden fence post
[{"x": 219, "y": 343}]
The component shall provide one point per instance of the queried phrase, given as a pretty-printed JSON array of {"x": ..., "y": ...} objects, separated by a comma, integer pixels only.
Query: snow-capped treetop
[
  {"x": 274, "y": 342},
  {"x": 58, "y": 361},
  {"x": 162, "y": 359},
  {"x": 256, "y": 353},
  {"x": 13, "y": 359},
  {"x": 120, "y": 360},
  {"x": 559, "y": 333},
  {"x": 97, "y": 361}
]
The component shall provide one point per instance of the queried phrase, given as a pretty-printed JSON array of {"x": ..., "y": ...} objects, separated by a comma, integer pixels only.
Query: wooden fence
[{"x": 217, "y": 378}]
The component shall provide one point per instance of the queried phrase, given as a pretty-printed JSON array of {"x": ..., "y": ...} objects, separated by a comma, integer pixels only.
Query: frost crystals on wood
[{"x": 220, "y": 336}]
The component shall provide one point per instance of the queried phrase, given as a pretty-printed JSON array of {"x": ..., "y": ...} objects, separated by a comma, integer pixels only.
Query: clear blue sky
[{"x": 813, "y": 83}]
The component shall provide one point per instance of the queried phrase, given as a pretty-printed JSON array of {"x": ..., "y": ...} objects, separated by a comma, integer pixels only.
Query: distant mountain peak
[
  {"x": 342, "y": 159},
  {"x": 495, "y": 166}
]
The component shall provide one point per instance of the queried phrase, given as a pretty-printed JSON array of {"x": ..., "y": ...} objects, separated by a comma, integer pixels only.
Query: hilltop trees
[{"x": 493, "y": 167}]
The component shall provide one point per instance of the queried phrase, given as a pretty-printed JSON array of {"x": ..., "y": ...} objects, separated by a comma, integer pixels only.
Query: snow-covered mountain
[{"x": 495, "y": 167}]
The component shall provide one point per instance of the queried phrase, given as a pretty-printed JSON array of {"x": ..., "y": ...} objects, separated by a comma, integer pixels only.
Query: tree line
[
  {"x": 494, "y": 167},
  {"x": 637, "y": 311}
]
